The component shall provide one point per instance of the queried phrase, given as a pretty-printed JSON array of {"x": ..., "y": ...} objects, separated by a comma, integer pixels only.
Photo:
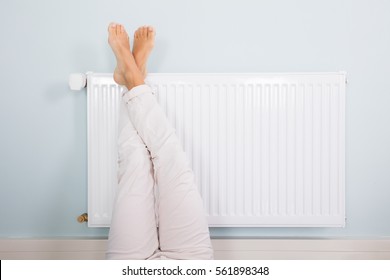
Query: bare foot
[
  {"x": 143, "y": 45},
  {"x": 126, "y": 72}
]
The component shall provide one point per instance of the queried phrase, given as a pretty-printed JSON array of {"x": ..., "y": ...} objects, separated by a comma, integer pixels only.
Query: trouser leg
[
  {"x": 183, "y": 228},
  {"x": 133, "y": 232}
]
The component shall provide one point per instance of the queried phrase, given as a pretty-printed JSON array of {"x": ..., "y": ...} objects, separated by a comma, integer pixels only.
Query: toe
[
  {"x": 118, "y": 29},
  {"x": 150, "y": 31},
  {"x": 144, "y": 31},
  {"x": 111, "y": 26},
  {"x": 137, "y": 33}
]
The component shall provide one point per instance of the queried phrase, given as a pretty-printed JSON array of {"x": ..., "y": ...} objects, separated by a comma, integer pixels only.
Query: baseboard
[{"x": 224, "y": 249}]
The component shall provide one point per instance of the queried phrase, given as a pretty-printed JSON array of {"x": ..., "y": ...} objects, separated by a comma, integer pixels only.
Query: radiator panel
[
  {"x": 266, "y": 149},
  {"x": 103, "y": 111}
]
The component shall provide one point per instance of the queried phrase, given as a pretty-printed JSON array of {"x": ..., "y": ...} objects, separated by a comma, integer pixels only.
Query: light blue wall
[{"x": 43, "y": 123}]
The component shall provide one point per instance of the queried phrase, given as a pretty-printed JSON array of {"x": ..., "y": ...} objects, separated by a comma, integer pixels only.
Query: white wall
[{"x": 43, "y": 123}]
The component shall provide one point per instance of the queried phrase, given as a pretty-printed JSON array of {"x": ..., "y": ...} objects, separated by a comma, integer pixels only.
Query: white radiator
[{"x": 267, "y": 150}]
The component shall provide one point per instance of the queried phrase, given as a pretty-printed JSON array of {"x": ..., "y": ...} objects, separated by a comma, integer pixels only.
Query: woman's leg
[
  {"x": 183, "y": 228},
  {"x": 133, "y": 232}
]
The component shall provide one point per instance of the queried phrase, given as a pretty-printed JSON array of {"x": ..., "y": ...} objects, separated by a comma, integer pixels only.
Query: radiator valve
[
  {"x": 77, "y": 81},
  {"x": 83, "y": 218}
]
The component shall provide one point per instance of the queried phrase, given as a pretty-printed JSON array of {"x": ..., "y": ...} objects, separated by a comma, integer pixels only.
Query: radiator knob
[
  {"x": 83, "y": 218},
  {"x": 77, "y": 81}
]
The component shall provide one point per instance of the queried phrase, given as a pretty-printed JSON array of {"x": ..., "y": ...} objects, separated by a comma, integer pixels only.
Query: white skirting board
[{"x": 224, "y": 249}]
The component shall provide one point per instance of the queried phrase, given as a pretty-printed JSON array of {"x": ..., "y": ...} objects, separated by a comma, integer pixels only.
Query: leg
[
  {"x": 126, "y": 72},
  {"x": 133, "y": 232},
  {"x": 143, "y": 45},
  {"x": 183, "y": 229}
]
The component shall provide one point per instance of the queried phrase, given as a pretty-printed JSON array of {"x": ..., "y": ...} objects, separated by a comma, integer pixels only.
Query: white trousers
[{"x": 158, "y": 212}]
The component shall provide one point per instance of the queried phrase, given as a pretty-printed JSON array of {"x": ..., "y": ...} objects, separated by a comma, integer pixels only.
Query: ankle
[
  {"x": 133, "y": 79},
  {"x": 143, "y": 71}
]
